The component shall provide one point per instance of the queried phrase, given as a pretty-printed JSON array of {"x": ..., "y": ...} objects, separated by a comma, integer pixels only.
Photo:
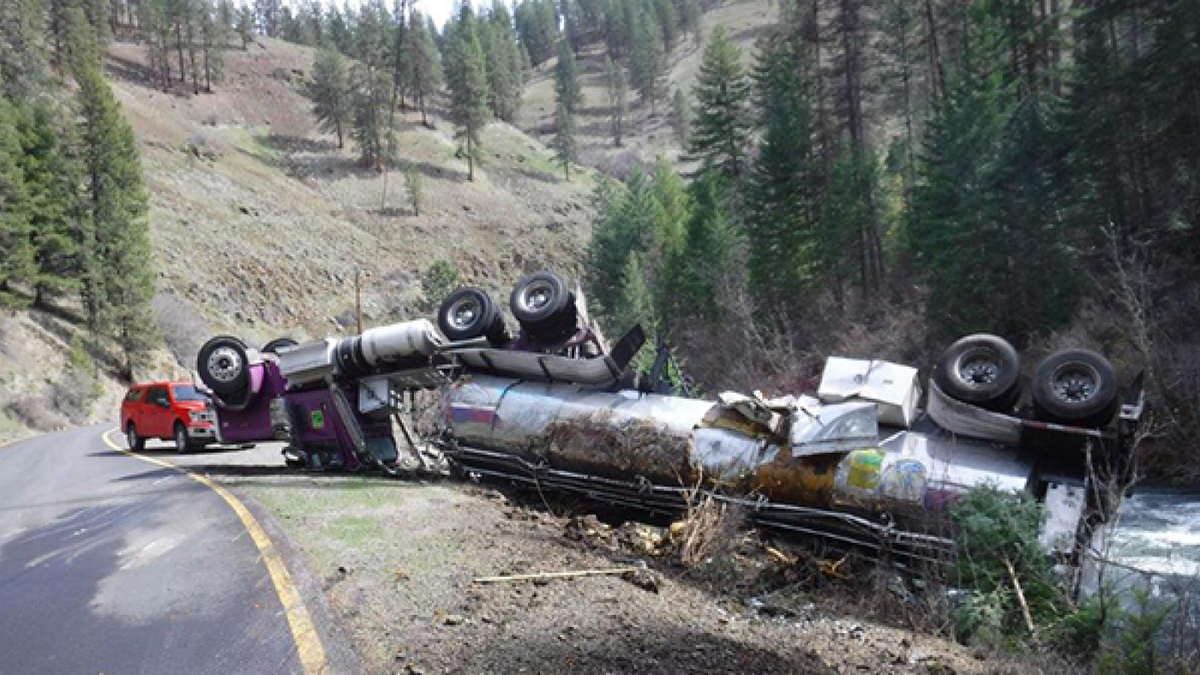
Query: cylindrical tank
[{"x": 675, "y": 441}]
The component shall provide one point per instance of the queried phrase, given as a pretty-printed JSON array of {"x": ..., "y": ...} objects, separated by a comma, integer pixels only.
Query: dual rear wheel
[{"x": 1076, "y": 387}]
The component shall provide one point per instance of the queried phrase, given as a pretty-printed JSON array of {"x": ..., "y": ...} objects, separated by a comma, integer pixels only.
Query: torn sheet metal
[
  {"x": 818, "y": 428},
  {"x": 893, "y": 387}
]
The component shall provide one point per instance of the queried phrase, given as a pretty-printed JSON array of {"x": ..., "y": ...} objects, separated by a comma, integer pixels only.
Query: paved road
[{"x": 109, "y": 564}]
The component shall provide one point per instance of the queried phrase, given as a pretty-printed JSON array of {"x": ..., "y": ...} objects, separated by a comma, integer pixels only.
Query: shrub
[{"x": 439, "y": 281}]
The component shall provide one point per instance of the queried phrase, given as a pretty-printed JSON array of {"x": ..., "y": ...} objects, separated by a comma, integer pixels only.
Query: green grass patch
[{"x": 356, "y": 531}]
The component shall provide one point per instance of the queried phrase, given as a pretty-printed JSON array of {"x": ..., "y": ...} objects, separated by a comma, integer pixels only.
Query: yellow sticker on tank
[{"x": 865, "y": 467}]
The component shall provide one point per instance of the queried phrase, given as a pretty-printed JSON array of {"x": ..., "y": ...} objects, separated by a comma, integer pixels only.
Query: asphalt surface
[{"x": 109, "y": 564}]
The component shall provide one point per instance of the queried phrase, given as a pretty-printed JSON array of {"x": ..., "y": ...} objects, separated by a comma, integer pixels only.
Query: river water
[{"x": 1155, "y": 551}]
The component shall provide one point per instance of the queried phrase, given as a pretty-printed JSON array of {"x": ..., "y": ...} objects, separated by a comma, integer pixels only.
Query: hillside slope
[
  {"x": 647, "y": 135},
  {"x": 260, "y": 223}
]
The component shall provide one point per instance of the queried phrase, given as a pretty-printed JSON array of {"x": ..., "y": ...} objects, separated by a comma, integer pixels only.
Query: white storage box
[{"x": 893, "y": 387}]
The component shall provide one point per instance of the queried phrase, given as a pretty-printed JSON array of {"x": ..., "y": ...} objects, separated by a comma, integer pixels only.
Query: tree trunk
[{"x": 179, "y": 48}]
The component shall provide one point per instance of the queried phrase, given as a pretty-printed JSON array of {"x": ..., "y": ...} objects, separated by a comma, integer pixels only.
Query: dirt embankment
[{"x": 398, "y": 560}]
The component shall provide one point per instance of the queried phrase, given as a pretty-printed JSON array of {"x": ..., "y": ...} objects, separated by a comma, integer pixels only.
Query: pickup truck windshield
[{"x": 188, "y": 393}]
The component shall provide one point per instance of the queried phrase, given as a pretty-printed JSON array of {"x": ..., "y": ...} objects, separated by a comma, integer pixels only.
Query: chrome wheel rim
[
  {"x": 536, "y": 296},
  {"x": 224, "y": 364},
  {"x": 464, "y": 313},
  {"x": 1075, "y": 383}
]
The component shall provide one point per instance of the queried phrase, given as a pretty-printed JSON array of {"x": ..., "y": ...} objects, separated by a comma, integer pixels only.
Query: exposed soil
[{"x": 397, "y": 560}]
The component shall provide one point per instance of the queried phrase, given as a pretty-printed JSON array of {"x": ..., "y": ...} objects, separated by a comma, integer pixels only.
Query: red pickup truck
[{"x": 168, "y": 411}]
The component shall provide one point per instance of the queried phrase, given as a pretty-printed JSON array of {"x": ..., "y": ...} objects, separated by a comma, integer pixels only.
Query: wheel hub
[
  {"x": 1074, "y": 384},
  {"x": 979, "y": 368},
  {"x": 463, "y": 313},
  {"x": 224, "y": 364},
  {"x": 537, "y": 296}
]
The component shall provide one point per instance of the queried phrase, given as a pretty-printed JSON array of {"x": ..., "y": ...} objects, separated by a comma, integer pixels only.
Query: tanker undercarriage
[{"x": 871, "y": 460}]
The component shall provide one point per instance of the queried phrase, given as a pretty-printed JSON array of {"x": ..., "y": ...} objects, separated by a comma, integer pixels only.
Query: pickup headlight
[{"x": 197, "y": 416}]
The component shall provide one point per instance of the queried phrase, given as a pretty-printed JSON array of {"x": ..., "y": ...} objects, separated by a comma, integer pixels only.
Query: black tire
[
  {"x": 1076, "y": 387},
  {"x": 983, "y": 370},
  {"x": 467, "y": 313},
  {"x": 538, "y": 300},
  {"x": 275, "y": 345},
  {"x": 133, "y": 440},
  {"x": 182, "y": 443},
  {"x": 223, "y": 365}
]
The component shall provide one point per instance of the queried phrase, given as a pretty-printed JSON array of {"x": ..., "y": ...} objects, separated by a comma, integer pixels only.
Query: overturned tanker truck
[{"x": 869, "y": 460}]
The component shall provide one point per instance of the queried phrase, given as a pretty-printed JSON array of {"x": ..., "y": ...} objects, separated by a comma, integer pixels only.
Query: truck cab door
[{"x": 158, "y": 413}]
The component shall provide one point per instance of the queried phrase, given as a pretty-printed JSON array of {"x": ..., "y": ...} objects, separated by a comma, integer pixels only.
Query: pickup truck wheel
[
  {"x": 983, "y": 370},
  {"x": 133, "y": 440},
  {"x": 182, "y": 444},
  {"x": 466, "y": 314},
  {"x": 1076, "y": 387},
  {"x": 223, "y": 365}
]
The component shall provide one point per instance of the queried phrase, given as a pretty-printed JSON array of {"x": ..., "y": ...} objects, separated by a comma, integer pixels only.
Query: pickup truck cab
[{"x": 167, "y": 411}]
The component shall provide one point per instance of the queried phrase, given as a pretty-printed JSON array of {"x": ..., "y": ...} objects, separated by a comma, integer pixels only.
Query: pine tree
[
  {"x": 721, "y": 132},
  {"x": 505, "y": 75},
  {"x": 22, "y": 56},
  {"x": 681, "y": 117},
  {"x": 647, "y": 66},
  {"x": 245, "y": 27},
  {"x": 423, "y": 58},
  {"x": 568, "y": 92},
  {"x": 709, "y": 250},
  {"x": 330, "y": 92},
  {"x": 51, "y": 175},
  {"x": 785, "y": 181},
  {"x": 372, "y": 86},
  {"x": 118, "y": 283},
  {"x": 566, "y": 148},
  {"x": 466, "y": 75},
  {"x": 618, "y": 94},
  {"x": 17, "y": 264},
  {"x": 213, "y": 37}
]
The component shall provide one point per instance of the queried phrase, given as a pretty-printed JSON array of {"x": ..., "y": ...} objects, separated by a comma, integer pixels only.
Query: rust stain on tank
[
  {"x": 604, "y": 445},
  {"x": 798, "y": 480}
]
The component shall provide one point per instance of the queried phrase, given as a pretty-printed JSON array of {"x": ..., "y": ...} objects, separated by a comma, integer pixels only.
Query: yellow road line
[{"x": 304, "y": 632}]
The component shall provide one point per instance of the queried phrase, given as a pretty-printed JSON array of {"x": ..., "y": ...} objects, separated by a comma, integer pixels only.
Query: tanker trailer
[{"x": 859, "y": 464}]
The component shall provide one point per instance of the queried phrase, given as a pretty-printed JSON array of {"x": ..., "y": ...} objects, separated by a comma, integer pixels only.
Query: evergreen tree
[
  {"x": 466, "y": 75},
  {"x": 245, "y": 27},
  {"x": 503, "y": 56},
  {"x": 647, "y": 66},
  {"x": 618, "y": 95},
  {"x": 330, "y": 92},
  {"x": 51, "y": 175},
  {"x": 987, "y": 214},
  {"x": 213, "y": 38},
  {"x": 22, "y": 57},
  {"x": 721, "y": 132},
  {"x": 785, "y": 181},
  {"x": 17, "y": 263},
  {"x": 423, "y": 58},
  {"x": 681, "y": 117},
  {"x": 372, "y": 86},
  {"x": 566, "y": 148},
  {"x": 709, "y": 251},
  {"x": 568, "y": 92},
  {"x": 118, "y": 283}
]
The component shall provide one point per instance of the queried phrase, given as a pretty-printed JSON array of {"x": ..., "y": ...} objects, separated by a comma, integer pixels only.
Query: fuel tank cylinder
[{"x": 672, "y": 441}]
